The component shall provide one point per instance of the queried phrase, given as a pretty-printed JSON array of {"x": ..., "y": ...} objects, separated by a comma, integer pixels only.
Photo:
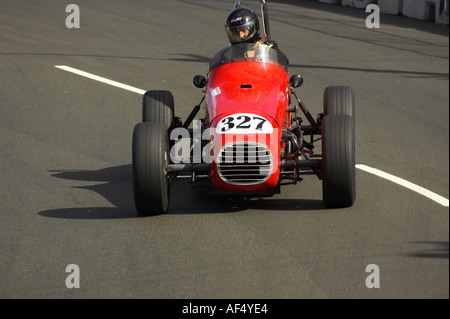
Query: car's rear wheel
[
  {"x": 158, "y": 106},
  {"x": 339, "y": 100},
  {"x": 338, "y": 161},
  {"x": 149, "y": 160}
]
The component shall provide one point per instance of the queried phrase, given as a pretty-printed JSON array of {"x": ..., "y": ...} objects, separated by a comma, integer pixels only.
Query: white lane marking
[
  {"x": 416, "y": 188},
  {"x": 100, "y": 79}
]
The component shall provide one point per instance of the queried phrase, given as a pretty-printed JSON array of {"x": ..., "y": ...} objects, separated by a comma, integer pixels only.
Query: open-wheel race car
[{"x": 252, "y": 138}]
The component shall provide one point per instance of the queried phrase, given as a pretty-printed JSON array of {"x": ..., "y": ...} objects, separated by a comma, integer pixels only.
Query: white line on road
[
  {"x": 416, "y": 188},
  {"x": 100, "y": 79}
]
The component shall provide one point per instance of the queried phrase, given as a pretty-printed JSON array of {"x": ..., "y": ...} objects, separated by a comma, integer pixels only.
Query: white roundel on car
[{"x": 243, "y": 123}]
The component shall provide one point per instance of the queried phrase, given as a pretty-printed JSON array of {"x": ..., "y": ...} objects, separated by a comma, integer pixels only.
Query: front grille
[{"x": 244, "y": 163}]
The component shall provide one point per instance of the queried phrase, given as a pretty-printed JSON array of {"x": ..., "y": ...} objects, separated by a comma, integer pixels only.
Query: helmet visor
[{"x": 241, "y": 33}]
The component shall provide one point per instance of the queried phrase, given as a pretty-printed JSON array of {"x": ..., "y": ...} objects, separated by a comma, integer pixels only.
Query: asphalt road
[{"x": 65, "y": 157}]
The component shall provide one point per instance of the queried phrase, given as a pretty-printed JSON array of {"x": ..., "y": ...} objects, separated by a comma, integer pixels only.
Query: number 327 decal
[{"x": 243, "y": 123}]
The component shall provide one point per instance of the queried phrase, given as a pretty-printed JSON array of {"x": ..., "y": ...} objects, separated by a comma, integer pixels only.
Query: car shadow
[{"x": 115, "y": 185}]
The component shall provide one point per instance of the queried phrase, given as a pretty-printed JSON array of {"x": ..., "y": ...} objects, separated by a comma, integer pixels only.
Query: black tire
[
  {"x": 158, "y": 106},
  {"x": 150, "y": 156},
  {"x": 338, "y": 161},
  {"x": 339, "y": 100}
]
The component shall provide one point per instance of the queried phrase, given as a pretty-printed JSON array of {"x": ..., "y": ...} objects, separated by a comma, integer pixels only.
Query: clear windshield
[{"x": 244, "y": 52}]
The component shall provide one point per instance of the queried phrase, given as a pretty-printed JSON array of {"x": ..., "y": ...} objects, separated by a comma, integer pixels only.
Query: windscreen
[{"x": 249, "y": 52}]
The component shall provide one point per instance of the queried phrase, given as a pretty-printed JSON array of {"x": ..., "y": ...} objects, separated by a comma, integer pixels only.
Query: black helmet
[{"x": 239, "y": 20}]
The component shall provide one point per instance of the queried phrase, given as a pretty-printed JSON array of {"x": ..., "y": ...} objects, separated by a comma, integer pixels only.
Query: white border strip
[
  {"x": 100, "y": 79},
  {"x": 416, "y": 188}
]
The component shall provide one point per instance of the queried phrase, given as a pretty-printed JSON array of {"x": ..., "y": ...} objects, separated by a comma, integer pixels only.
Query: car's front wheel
[{"x": 149, "y": 160}]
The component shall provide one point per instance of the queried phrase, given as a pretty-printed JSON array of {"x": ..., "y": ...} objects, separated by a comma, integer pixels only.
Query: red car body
[{"x": 249, "y": 90}]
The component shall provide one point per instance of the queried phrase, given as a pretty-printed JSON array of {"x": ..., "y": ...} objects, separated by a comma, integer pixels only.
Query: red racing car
[{"x": 256, "y": 134}]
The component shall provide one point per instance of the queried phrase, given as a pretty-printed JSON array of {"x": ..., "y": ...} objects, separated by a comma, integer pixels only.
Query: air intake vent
[{"x": 244, "y": 163}]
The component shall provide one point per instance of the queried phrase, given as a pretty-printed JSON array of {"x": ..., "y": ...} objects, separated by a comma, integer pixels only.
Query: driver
[{"x": 242, "y": 26}]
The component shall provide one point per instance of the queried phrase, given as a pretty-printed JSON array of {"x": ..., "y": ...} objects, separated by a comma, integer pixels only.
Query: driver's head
[{"x": 242, "y": 26}]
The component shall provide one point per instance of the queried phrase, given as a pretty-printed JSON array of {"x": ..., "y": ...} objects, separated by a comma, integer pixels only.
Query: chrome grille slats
[{"x": 244, "y": 163}]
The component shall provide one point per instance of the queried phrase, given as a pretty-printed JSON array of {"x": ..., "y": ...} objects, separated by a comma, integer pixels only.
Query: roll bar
[{"x": 265, "y": 17}]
